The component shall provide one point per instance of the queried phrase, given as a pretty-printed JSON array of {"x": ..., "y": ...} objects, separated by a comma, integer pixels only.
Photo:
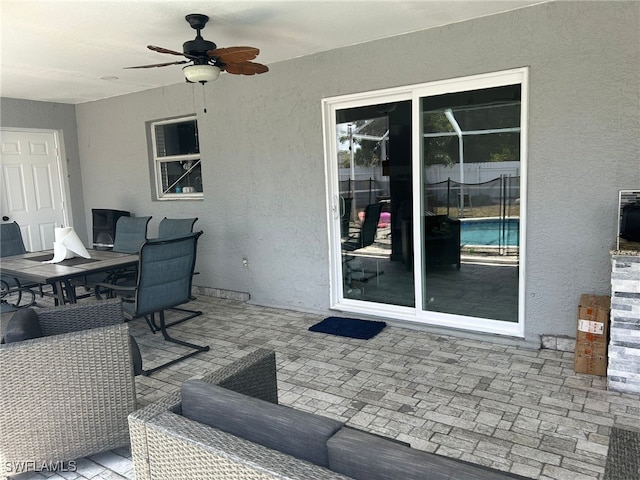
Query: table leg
[
  {"x": 59, "y": 290},
  {"x": 71, "y": 292},
  {"x": 58, "y": 293}
]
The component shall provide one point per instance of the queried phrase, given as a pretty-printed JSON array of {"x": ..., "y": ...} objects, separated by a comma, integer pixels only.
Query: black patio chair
[
  {"x": 14, "y": 289},
  {"x": 367, "y": 233},
  {"x": 172, "y": 227},
  {"x": 345, "y": 215},
  {"x": 366, "y": 236},
  {"x": 164, "y": 280},
  {"x": 131, "y": 233}
]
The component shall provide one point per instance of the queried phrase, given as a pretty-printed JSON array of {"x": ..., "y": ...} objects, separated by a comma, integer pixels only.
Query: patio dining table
[{"x": 30, "y": 266}]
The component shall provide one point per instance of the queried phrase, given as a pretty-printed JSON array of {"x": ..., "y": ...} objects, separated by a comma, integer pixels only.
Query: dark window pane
[{"x": 177, "y": 139}]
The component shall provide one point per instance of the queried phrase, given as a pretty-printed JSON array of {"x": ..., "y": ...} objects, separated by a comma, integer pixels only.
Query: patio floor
[{"x": 511, "y": 408}]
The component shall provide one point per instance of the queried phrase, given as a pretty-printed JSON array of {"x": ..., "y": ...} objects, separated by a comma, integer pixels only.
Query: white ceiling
[{"x": 69, "y": 51}]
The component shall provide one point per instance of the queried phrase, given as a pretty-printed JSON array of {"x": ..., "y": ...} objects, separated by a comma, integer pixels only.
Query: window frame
[{"x": 158, "y": 160}]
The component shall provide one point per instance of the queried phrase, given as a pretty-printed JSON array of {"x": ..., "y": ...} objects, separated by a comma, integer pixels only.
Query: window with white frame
[{"x": 176, "y": 159}]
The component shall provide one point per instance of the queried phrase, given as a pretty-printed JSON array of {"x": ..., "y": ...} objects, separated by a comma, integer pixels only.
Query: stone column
[{"x": 623, "y": 371}]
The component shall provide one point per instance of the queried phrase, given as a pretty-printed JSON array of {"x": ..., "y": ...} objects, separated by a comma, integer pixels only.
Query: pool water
[{"x": 490, "y": 231}]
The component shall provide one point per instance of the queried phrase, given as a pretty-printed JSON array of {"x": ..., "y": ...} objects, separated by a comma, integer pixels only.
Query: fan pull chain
[{"x": 204, "y": 100}]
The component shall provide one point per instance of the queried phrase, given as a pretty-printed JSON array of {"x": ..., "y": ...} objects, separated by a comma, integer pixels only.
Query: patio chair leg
[
  {"x": 197, "y": 348},
  {"x": 19, "y": 291},
  {"x": 152, "y": 323},
  {"x": 192, "y": 314}
]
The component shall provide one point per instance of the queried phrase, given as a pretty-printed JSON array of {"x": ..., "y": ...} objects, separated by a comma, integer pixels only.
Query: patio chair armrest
[
  {"x": 254, "y": 374},
  {"x": 113, "y": 288},
  {"x": 80, "y": 316},
  {"x": 206, "y": 452}
]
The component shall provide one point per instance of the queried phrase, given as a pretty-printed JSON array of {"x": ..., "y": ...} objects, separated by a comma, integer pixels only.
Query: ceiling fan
[{"x": 206, "y": 59}]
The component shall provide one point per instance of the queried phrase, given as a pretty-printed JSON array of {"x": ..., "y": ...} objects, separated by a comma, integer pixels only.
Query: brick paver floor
[{"x": 512, "y": 408}]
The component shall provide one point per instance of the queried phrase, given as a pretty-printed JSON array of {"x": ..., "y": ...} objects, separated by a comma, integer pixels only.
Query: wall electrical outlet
[{"x": 245, "y": 262}]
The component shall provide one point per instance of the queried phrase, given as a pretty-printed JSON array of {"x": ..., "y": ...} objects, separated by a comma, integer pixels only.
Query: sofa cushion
[
  {"x": 23, "y": 325},
  {"x": 363, "y": 456},
  {"x": 299, "y": 434}
]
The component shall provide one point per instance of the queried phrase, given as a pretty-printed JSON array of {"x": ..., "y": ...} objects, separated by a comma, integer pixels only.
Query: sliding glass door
[{"x": 427, "y": 203}]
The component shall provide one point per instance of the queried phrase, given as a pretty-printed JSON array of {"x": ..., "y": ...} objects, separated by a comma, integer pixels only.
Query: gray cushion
[
  {"x": 23, "y": 325},
  {"x": 299, "y": 434},
  {"x": 363, "y": 456}
]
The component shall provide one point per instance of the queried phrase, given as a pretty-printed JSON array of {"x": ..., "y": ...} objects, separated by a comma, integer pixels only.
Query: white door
[{"x": 31, "y": 182}]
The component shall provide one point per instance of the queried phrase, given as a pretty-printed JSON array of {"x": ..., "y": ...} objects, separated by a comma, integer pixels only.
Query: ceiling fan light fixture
[{"x": 201, "y": 73}]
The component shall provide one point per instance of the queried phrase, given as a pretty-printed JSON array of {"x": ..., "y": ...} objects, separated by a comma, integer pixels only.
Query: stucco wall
[
  {"x": 263, "y": 161},
  {"x": 61, "y": 117},
  {"x": 262, "y": 150}
]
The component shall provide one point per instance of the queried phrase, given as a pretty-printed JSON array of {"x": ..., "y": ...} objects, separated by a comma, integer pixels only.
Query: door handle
[{"x": 5, "y": 218}]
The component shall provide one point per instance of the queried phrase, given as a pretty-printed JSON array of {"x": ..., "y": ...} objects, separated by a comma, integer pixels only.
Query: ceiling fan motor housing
[{"x": 198, "y": 47}]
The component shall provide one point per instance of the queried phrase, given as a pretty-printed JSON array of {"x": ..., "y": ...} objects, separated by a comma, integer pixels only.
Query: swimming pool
[{"x": 490, "y": 231}]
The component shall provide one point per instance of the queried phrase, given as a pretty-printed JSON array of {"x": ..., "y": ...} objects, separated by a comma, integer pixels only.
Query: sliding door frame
[{"x": 330, "y": 106}]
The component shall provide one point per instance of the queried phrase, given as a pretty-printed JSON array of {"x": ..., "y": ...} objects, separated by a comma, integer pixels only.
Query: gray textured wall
[
  {"x": 262, "y": 151},
  {"x": 61, "y": 117}
]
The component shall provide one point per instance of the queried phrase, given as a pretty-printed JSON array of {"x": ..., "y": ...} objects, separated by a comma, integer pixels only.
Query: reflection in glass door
[
  {"x": 374, "y": 158},
  {"x": 470, "y": 202}
]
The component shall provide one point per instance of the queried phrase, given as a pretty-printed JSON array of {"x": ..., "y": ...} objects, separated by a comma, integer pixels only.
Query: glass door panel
[
  {"x": 470, "y": 199},
  {"x": 374, "y": 183}
]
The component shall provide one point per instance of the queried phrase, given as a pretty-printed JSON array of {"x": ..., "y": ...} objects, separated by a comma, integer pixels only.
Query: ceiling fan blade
[
  {"x": 170, "y": 52},
  {"x": 234, "y": 54},
  {"x": 245, "y": 68},
  {"x": 160, "y": 64}
]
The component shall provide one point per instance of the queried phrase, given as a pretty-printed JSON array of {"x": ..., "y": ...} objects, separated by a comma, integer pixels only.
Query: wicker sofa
[
  {"x": 269, "y": 441},
  {"x": 67, "y": 394}
]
